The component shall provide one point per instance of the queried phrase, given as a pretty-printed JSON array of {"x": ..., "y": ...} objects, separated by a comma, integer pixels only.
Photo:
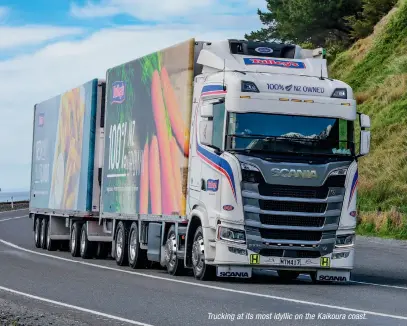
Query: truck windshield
[{"x": 289, "y": 134}]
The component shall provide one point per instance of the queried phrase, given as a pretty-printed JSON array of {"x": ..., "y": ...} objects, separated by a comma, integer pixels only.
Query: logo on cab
[
  {"x": 294, "y": 173},
  {"x": 212, "y": 185}
]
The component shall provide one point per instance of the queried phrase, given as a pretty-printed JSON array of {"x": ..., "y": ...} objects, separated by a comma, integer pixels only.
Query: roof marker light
[
  {"x": 308, "y": 101},
  {"x": 295, "y": 100},
  {"x": 284, "y": 99}
]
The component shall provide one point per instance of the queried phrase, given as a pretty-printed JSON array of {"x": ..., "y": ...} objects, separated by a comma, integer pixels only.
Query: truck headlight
[
  {"x": 251, "y": 173},
  {"x": 233, "y": 235},
  {"x": 345, "y": 240}
]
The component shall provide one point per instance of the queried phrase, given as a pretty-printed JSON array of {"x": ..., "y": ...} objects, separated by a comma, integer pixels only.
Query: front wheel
[{"x": 202, "y": 271}]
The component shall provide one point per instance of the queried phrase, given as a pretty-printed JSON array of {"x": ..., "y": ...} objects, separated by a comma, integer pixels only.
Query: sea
[{"x": 15, "y": 195}]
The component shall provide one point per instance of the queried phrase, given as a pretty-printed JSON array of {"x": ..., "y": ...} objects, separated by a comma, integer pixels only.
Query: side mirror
[
  {"x": 207, "y": 110},
  {"x": 205, "y": 132},
  {"x": 364, "y": 121},
  {"x": 364, "y": 142}
]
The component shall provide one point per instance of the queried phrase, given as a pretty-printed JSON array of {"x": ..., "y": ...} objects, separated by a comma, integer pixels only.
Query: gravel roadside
[{"x": 12, "y": 314}]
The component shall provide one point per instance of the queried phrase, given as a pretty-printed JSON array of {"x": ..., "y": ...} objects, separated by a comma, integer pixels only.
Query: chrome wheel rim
[
  {"x": 73, "y": 241},
  {"x": 37, "y": 226},
  {"x": 42, "y": 233},
  {"x": 119, "y": 243},
  {"x": 133, "y": 245},
  {"x": 198, "y": 256},
  {"x": 171, "y": 251},
  {"x": 83, "y": 242},
  {"x": 48, "y": 234}
]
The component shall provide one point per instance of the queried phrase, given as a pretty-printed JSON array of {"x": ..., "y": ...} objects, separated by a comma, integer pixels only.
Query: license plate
[{"x": 290, "y": 262}]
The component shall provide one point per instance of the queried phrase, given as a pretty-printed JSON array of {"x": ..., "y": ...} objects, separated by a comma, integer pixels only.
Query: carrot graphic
[
  {"x": 155, "y": 178},
  {"x": 177, "y": 171},
  {"x": 177, "y": 122},
  {"x": 169, "y": 204},
  {"x": 144, "y": 182}
]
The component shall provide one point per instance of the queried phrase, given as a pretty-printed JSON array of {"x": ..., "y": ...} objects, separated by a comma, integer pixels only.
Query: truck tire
[
  {"x": 121, "y": 252},
  {"x": 202, "y": 271},
  {"x": 37, "y": 232},
  {"x": 137, "y": 256},
  {"x": 86, "y": 246},
  {"x": 174, "y": 265},
  {"x": 288, "y": 275},
  {"x": 43, "y": 237},
  {"x": 74, "y": 244},
  {"x": 51, "y": 244}
]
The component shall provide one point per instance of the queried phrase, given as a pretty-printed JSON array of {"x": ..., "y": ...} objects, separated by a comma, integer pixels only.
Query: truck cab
[{"x": 273, "y": 169}]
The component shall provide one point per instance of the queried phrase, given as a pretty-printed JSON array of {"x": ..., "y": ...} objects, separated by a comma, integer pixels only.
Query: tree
[
  {"x": 363, "y": 23},
  {"x": 318, "y": 22}
]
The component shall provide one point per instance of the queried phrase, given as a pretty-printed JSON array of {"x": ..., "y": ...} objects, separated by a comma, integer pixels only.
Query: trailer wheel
[
  {"x": 51, "y": 244},
  {"x": 74, "y": 242},
  {"x": 288, "y": 275},
  {"x": 43, "y": 237},
  {"x": 86, "y": 246},
  {"x": 137, "y": 256},
  {"x": 202, "y": 271},
  {"x": 121, "y": 252},
  {"x": 37, "y": 232},
  {"x": 174, "y": 265}
]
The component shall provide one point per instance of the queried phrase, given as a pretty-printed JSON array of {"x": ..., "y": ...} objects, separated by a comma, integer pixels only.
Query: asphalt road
[{"x": 98, "y": 292}]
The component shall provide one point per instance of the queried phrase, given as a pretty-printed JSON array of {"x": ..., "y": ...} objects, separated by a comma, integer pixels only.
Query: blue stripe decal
[
  {"x": 216, "y": 162},
  {"x": 353, "y": 188}
]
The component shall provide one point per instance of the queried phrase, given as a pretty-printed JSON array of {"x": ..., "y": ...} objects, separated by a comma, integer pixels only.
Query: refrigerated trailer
[{"x": 221, "y": 157}]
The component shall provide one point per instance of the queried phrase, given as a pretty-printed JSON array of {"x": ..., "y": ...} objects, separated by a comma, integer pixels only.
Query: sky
[{"x": 50, "y": 46}]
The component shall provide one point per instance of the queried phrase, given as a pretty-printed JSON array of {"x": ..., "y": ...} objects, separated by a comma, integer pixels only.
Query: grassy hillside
[{"x": 376, "y": 67}]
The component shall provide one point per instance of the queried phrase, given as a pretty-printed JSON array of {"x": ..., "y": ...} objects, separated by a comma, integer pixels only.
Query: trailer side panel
[
  {"x": 148, "y": 113},
  {"x": 63, "y": 151}
]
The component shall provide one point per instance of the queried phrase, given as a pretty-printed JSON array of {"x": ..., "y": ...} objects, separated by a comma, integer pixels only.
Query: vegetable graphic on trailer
[{"x": 147, "y": 134}]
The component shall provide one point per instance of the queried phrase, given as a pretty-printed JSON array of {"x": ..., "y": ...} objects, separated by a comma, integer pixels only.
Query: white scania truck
[{"x": 223, "y": 157}]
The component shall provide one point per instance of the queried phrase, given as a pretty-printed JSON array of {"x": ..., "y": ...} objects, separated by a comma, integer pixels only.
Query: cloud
[
  {"x": 164, "y": 11},
  {"x": 11, "y": 37},
  {"x": 34, "y": 77}
]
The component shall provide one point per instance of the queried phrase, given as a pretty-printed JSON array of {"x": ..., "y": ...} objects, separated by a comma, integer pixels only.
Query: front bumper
[{"x": 231, "y": 254}]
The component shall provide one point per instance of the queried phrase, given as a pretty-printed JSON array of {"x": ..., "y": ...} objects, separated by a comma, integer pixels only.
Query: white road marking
[
  {"x": 66, "y": 305},
  {"x": 15, "y": 210},
  {"x": 382, "y": 285},
  {"x": 267, "y": 296},
  {"x": 12, "y": 218}
]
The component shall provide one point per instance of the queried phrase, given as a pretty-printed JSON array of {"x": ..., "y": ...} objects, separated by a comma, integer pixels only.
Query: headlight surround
[
  {"x": 343, "y": 241},
  {"x": 233, "y": 235}
]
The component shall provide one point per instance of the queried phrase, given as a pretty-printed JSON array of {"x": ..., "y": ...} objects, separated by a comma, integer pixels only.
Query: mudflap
[
  {"x": 234, "y": 271},
  {"x": 333, "y": 276}
]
